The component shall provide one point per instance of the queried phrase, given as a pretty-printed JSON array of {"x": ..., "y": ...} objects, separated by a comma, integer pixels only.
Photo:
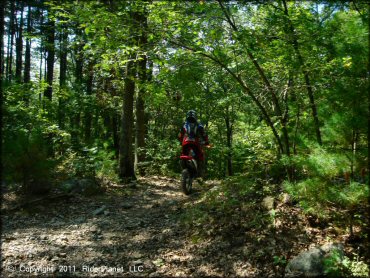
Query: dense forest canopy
[
  {"x": 272, "y": 81},
  {"x": 101, "y": 88}
]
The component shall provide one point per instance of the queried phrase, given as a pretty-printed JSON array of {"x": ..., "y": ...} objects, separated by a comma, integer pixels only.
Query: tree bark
[
  {"x": 305, "y": 74},
  {"x": 19, "y": 47},
  {"x": 2, "y": 25},
  {"x": 140, "y": 104},
  {"x": 50, "y": 47},
  {"x": 126, "y": 155},
  {"x": 140, "y": 117},
  {"x": 89, "y": 90},
  {"x": 42, "y": 47},
  {"x": 27, "y": 57},
  {"x": 2, "y": 11},
  {"x": 62, "y": 74},
  {"x": 11, "y": 33},
  {"x": 297, "y": 116},
  {"x": 115, "y": 134},
  {"x": 229, "y": 136},
  {"x": 368, "y": 102},
  {"x": 76, "y": 117},
  {"x": 79, "y": 60}
]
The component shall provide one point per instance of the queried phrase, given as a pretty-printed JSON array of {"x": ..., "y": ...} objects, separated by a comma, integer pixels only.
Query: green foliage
[
  {"x": 79, "y": 164},
  {"x": 319, "y": 186},
  {"x": 337, "y": 265},
  {"x": 238, "y": 196},
  {"x": 349, "y": 196},
  {"x": 27, "y": 141},
  {"x": 333, "y": 266},
  {"x": 88, "y": 163},
  {"x": 26, "y": 162},
  {"x": 321, "y": 163},
  {"x": 163, "y": 158},
  {"x": 37, "y": 152},
  {"x": 280, "y": 260},
  {"x": 195, "y": 60},
  {"x": 106, "y": 165},
  {"x": 355, "y": 268},
  {"x": 316, "y": 195}
]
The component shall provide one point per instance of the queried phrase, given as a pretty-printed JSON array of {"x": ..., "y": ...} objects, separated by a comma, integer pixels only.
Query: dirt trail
[{"x": 137, "y": 233}]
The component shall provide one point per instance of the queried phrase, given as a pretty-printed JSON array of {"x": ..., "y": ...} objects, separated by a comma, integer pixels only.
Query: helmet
[{"x": 191, "y": 116}]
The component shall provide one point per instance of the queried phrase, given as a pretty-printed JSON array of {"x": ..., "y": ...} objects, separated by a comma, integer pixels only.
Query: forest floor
[{"x": 139, "y": 232}]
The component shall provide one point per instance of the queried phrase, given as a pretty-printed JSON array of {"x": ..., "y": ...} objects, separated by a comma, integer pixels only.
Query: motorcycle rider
[{"x": 192, "y": 135}]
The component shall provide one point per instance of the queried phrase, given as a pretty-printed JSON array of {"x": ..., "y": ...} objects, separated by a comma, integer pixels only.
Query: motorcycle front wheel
[{"x": 186, "y": 182}]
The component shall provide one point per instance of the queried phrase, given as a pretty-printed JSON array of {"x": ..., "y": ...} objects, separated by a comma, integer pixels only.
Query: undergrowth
[{"x": 229, "y": 208}]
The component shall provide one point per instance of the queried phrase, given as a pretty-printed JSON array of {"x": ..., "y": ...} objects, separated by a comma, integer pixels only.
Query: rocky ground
[{"x": 138, "y": 232}]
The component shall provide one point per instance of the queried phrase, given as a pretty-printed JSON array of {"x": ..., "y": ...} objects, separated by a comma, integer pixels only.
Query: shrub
[
  {"x": 89, "y": 163},
  {"x": 342, "y": 266},
  {"x": 26, "y": 162}
]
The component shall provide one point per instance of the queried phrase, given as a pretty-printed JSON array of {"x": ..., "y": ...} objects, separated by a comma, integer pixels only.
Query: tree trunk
[
  {"x": 41, "y": 52},
  {"x": 62, "y": 74},
  {"x": 115, "y": 134},
  {"x": 2, "y": 25},
  {"x": 368, "y": 102},
  {"x": 11, "y": 33},
  {"x": 354, "y": 150},
  {"x": 297, "y": 123},
  {"x": 140, "y": 105},
  {"x": 107, "y": 124},
  {"x": 76, "y": 117},
  {"x": 2, "y": 11},
  {"x": 41, "y": 47},
  {"x": 79, "y": 61},
  {"x": 19, "y": 48},
  {"x": 305, "y": 74},
  {"x": 126, "y": 155},
  {"x": 229, "y": 134},
  {"x": 27, "y": 57},
  {"x": 50, "y": 47},
  {"x": 140, "y": 116},
  {"x": 89, "y": 89},
  {"x": 96, "y": 124}
]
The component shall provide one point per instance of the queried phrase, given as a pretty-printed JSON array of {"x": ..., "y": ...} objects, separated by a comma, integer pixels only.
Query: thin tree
[
  {"x": 368, "y": 100},
  {"x": 284, "y": 145},
  {"x": 50, "y": 48},
  {"x": 63, "y": 38},
  {"x": 27, "y": 56},
  {"x": 11, "y": 33},
  {"x": 143, "y": 79},
  {"x": 2, "y": 9},
  {"x": 79, "y": 69},
  {"x": 89, "y": 91},
  {"x": 19, "y": 47},
  {"x": 2, "y": 25},
  {"x": 42, "y": 50},
  {"x": 126, "y": 156},
  {"x": 229, "y": 139},
  {"x": 294, "y": 41}
]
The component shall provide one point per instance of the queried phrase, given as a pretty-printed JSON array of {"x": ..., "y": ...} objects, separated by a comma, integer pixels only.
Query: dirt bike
[{"x": 189, "y": 165}]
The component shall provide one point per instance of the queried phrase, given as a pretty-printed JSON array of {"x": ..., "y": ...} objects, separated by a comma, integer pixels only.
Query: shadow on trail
[{"x": 141, "y": 229}]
